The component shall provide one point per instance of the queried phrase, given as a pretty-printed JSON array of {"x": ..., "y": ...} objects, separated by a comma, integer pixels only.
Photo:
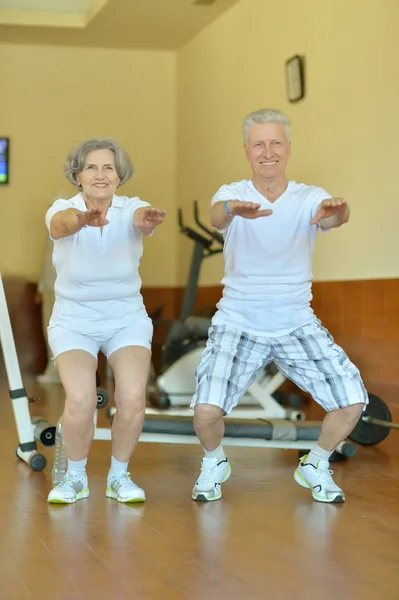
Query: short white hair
[
  {"x": 76, "y": 159},
  {"x": 266, "y": 115}
]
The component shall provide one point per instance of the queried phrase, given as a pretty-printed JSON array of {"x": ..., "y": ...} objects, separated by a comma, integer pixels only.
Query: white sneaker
[
  {"x": 319, "y": 480},
  {"x": 72, "y": 488},
  {"x": 208, "y": 486},
  {"x": 123, "y": 489}
]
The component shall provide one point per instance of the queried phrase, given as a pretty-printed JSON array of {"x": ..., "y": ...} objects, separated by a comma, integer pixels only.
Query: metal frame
[
  {"x": 104, "y": 434},
  {"x": 27, "y": 448}
]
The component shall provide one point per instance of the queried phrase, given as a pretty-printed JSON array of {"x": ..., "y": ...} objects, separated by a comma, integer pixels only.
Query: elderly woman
[{"x": 97, "y": 249}]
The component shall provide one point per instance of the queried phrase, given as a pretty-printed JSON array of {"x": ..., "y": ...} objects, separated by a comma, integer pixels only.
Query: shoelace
[
  {"x": 326, "y": 477},
  {"x": 121, "y": 480},
  {"x": 207, "y": 476},
  {"x": 70, "y": 479}
]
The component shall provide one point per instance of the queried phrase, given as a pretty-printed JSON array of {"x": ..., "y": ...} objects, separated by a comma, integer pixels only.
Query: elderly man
[{"x": 270, "y": 225}]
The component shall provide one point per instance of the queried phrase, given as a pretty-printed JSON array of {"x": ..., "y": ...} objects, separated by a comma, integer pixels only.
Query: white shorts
[
  {"x": 139, "y": 333},
  {"x": 307, "y": 356}
]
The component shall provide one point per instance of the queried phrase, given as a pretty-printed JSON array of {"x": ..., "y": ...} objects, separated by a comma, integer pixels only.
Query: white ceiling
[{"x": 146, "y": 24}]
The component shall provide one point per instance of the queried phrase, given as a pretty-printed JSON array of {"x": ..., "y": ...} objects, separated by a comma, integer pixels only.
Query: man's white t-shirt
[
  {"x": 98, "y": 284},
  {"x": 268, "y": 261}
]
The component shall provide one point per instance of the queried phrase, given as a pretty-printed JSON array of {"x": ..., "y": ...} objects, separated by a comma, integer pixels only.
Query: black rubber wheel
[
  {"x": 368, "y": 434},
  {"x": 38, "y": 462},
  {"x": 159, "y": 400},
  {"x": 294, "y": 400},
  {"x": 102, "y": 398},
  {"x": 338, "y": 457},
  {"x": 280, "y": 397}
]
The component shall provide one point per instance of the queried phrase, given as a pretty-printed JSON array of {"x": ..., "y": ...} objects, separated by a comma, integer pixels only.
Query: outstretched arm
[
  {"x": 70, "y": 221},
  {"x": 222, "y": 212},
  {"x": 332, "y": 212},
  {"x": 147, "y": 218}
]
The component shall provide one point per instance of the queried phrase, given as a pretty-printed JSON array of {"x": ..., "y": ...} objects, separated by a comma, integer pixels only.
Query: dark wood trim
[{"x": 363, "y": 317}]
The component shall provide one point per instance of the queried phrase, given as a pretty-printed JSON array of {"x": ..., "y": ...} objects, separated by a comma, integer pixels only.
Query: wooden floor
[{"x": 267, "y": 538}]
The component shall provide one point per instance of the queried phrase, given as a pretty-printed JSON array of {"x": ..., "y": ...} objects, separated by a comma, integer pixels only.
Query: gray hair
[
  {"x": 266, "y": 115},
  {"x": 76, "y": 159}
]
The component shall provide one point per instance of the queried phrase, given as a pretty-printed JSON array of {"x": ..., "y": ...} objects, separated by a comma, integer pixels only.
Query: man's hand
[
  {"x": 247, "y": 210},
  {"x": 147, "y": 218},
  {"x": 91, "y": 218},
  {"x": 336, "y": 210},
  {"x": 220, "y": 219}
]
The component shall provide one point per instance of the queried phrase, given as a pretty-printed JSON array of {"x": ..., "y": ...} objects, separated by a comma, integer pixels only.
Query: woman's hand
[
  {"x": 147, "y": 218},
  {"x": 93, "y": 217}
]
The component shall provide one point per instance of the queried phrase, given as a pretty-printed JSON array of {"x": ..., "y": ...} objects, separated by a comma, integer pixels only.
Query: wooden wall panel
[
  {"x": 25, "y": 316},
  {"x": 363, "y": 317}
]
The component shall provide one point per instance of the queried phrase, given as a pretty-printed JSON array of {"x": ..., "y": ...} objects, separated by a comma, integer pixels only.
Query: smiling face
[
  {"x": 99, "y": 178},
  {"x": 268, "y": 150}
]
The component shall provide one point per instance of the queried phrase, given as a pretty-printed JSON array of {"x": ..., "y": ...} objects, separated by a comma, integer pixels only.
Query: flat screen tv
[{"x": 4, "y": 160}]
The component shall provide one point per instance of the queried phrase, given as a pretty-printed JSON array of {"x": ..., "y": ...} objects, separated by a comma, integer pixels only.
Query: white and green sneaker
[
  {"x": 73, "y": 487},
  {"x": 319, "y": 481},
  {"x": 121, "y": 488},
  {"x": 208, "y": 486}
]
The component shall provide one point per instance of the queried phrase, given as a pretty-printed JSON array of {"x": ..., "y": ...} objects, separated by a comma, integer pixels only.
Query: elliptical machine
[
  {"x": 172, "y": 389},
  {"x": 189, "y": 332}
]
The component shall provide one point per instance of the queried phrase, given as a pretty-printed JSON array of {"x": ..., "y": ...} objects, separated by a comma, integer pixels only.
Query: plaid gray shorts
[{"x": 307, "y": 356}]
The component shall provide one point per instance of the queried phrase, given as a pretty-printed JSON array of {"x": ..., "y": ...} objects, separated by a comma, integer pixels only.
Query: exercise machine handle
[
  {"x": 194, "y": 235},
  {"x": 214, "y": 234}
]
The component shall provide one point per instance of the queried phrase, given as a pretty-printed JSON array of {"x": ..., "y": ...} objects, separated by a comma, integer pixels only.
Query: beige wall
[
  {"x": 345, "y": 132},
  {"x": 51, "y": 98},
  {"x": 179, "y": 116}
]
